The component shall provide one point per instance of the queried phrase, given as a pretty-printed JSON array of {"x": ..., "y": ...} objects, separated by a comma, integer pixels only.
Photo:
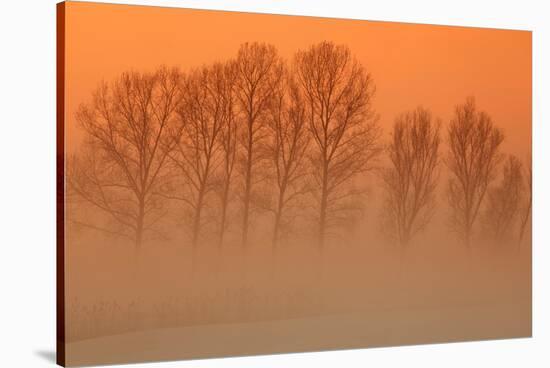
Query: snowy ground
[{"x": 372, "y": 328}]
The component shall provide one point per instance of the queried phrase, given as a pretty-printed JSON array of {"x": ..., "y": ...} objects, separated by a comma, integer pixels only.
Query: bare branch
[
  {"x": 473, "y": 159},
  {"x": 338, "y": 95},
  {"x": 411, "y": 179}
]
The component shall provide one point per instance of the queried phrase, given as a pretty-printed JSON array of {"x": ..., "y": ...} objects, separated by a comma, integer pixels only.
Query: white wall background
[{"x": 27, "y": 180}]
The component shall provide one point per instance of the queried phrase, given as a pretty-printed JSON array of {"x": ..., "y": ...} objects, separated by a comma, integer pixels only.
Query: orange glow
[{"x": 412, "y": 64}]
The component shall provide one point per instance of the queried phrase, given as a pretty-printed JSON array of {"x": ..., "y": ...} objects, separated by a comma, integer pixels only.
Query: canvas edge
[
  {"x": 60, "y": 185},
  {"x": 60, "y": 169}
]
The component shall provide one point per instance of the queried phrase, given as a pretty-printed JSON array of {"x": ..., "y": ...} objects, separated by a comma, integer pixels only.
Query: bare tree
[
  {"x": 526, "y": 216},
  {"x": 122, "y": 166},
  {"x": 504, "y": 201},
  {"x": 259, "y": 70},
  {"x": 197, "y": 155},
  {"x": 228, "y": 142},
  {"x": 411, "y": 179},
  {"x": 473, "y": 159},
  {"x": 287, "y": 147},
  {"x": 338, "y": 98}
]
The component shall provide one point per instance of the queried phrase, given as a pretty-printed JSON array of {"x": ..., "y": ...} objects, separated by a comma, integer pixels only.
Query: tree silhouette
[
  {"x": 504, "y": 201},
  {"x": 259, "y": 70},
  {"x": 198, "y": 152},
  {"x": 526, "y": 216},
  {"x": 338, "y": 95},
  {"x": 228, "y": 142},
  {"x": 411, "y": 179},
  {"x": 472, "y": 159},
  {"x": 122, "y": 165},
  {"x": 288, "y": 142}
]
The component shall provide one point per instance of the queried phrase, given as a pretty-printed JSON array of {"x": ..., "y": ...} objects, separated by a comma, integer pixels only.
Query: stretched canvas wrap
[{"x": 234, "y": 184}]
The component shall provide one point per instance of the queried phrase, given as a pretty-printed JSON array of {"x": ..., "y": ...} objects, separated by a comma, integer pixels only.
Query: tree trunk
[
  {"x": 278, "y": 216},
  {"x": 276, "y": 225},
  {"x": 196, "y": 232},
  {"x": 197, "y": 220},
  {"x": 247, "y": 187},
  {"x": 139, "y": 226},
  {"x": 468, "y": 221},
  {"x": 223, "y": 216},
  {"x": 138, "y": 237},
  {"x": 405, "y": 238},
  {"x": 323, "y": 210},
  {"x": 468, "y": 236}
]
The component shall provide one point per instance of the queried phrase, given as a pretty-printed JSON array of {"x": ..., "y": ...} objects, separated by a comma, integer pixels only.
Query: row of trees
[
  {"x": 262, "y": 134},
  {"x": 474, "y": 162}
]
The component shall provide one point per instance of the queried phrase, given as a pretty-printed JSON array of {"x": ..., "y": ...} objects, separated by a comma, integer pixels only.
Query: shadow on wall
[{"x": 47, "y": 355}]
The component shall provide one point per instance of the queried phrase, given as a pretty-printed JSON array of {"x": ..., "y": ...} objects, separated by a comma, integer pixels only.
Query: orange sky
[{"x": 436, "y": 66}]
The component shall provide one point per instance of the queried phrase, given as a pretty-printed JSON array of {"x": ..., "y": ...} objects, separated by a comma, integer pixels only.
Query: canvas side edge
[{"x": 60, "y": 185}]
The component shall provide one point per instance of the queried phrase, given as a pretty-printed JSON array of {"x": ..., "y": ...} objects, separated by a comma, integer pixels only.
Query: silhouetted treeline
[{"x": 290, "y": 138}]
